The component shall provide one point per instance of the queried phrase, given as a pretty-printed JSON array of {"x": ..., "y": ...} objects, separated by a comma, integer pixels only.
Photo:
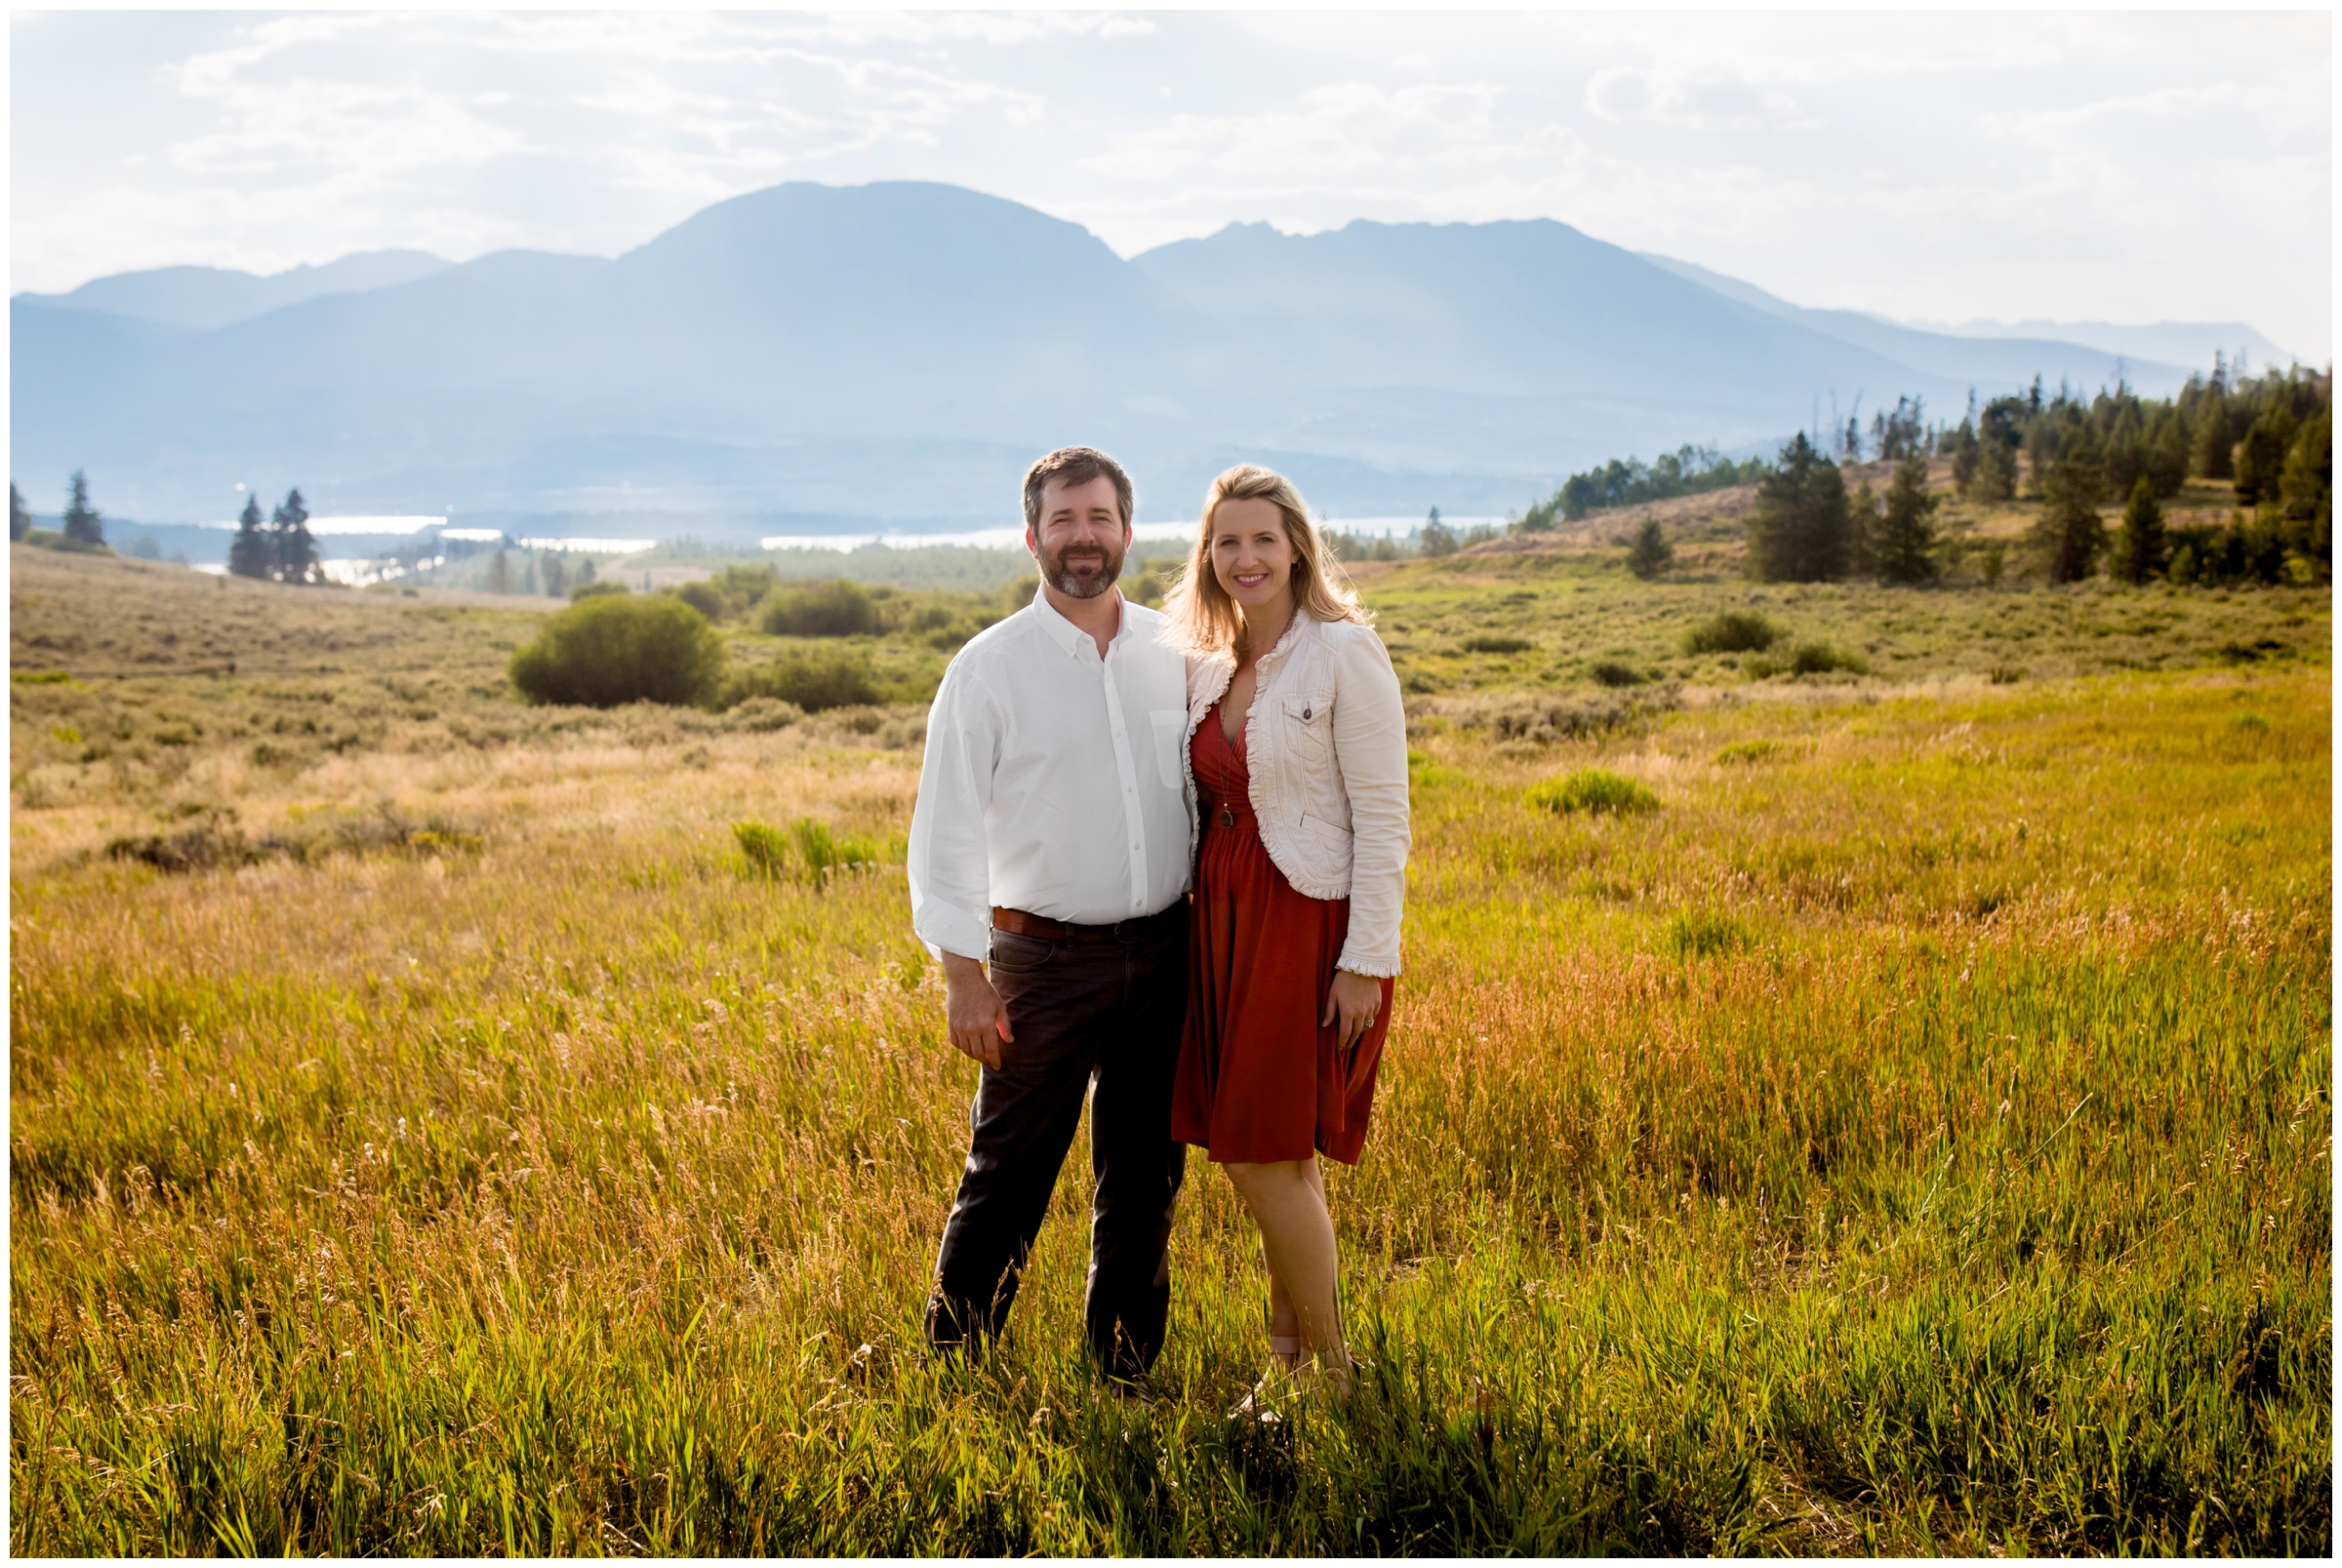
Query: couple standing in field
[{"x": 1163, "y": 854}]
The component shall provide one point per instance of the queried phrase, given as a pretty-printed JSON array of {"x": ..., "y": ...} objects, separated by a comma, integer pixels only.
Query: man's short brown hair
[{"x": 1071, "y": 466}]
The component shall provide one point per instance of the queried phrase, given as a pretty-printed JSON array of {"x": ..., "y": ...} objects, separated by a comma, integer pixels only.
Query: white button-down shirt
[{"x": 1053, "y": 782}]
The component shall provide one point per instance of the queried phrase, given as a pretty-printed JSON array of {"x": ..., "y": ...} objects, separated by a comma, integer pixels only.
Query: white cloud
[{"x": 1949, "y": 165}]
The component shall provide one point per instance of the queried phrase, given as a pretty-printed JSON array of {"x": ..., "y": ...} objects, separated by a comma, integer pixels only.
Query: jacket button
[{"x": 1305, "y": 715}]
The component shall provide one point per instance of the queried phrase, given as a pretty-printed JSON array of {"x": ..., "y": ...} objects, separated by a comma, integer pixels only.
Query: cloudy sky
[{"x": 2095, "y": 165}]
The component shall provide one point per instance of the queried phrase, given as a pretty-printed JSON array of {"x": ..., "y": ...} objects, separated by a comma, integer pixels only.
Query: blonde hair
[{"x": 1206, "y": 619}]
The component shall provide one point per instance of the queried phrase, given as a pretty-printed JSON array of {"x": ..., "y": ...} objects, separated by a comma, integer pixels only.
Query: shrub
[
  {"x": 1746, "y": 751},
  {"x": 807, "y": 850},
  {"x": 766, "y": 848},
  {"x": 704, "y": 597},
  {"x": 1701, "y": 934},
  {"x": 1810, "y": 658},
  {"x": 1610, "y": 672},
  {"x": 1820, "y": 659},
  {"x": 599, "y": 589},
  {"x": 834, "y": 609},
  {"x": 813, "y": 679},
  {"x": 1651, "y": 554},
  {"x": 760, "y": 715},
  {"x": 1497, "y": 645},
  {"x": 1732, "y": 631},
  {"x": 605, "y": 650},
  {"x": 823, "y": 853},
  {"x": 1593, "y": 789}
]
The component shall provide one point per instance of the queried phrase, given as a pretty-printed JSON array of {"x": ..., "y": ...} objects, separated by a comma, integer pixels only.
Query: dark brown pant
[{"x": 1108, "y": 1013}]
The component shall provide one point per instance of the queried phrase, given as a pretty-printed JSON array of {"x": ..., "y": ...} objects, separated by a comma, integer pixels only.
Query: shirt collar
[{"x": 1064, "y": 633}]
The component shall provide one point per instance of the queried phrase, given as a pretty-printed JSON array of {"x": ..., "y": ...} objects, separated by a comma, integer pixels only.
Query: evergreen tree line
[
  {"x": 553, "y": 574},
  {"x": 1688, "y": 470},
  {"x": 2272, "y": 438},
  {"x": 83, "y": 528},
  {"x": 281, "y": 550}
]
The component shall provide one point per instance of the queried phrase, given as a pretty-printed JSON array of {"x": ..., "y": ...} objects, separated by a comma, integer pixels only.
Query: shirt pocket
[
  {"x": 1170, "y": 731},
  {"x": 1309, "y": 727}
]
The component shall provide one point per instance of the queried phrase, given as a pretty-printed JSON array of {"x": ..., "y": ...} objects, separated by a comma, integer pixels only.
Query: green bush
[
  {"x": 1611, "y": 673},
  {"x": 807, "y": 850},
  {"x": 814, "y": 679},
  {"x": 601, "y": 587},
  {"x": 1732, "y": 631},
  {"x": 765, "y": 847},
  {"x": 836, "y": 609},
  {"x": 1701, "y": 934},
  {"x": 1746, "y": 751},
  {"x": 704, "y": 597},
  {"x": 1497, "y": 645},
  {"x": 1593, "y": 789},
  {"x": 1810, "y": 658},
  {"x": 607, "y": 649}
]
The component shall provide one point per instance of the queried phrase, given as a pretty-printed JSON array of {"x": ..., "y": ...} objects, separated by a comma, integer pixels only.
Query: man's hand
[{"x": 973, "y": 1012}]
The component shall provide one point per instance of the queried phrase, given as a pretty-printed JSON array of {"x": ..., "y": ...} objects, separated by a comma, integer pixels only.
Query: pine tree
[
  {"x": 557, "y": 576},
  {"x": 2261, "y": 455},
  {"x": 500, "y": 574},
  {"x": 83, "y": 525},
  {"x": 1862, "y": 530},
  {"x": 2139, "y": 542},
  {"x": 1967, "y": 456},
  {"x": 2069, "y": 533},
  {"x": 1651, "y": 554},
  {"x": 252, "y": 553},
  {"x": 296, "y": 550},
  {"x": 2213, "y": 451},
  {"x": 1797, "y": 533},
  {"x": 1905, "y": 548},
  {"x": 19, "y": 515},
  {"x": 2307, "y": 488},
  {"x": 1437, "y": 538},
  {"x": 2167, "y": 456}
]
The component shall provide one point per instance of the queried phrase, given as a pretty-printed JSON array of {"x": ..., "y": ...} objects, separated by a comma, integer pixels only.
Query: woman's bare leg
[{"x": 1287, "y": 1201}]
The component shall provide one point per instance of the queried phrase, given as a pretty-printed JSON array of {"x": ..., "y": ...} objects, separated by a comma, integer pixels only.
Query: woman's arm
[{"x": 1370, "y": 746}]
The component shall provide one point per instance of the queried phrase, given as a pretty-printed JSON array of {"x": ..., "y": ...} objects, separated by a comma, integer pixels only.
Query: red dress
[{"x": 1259, "y": 1079}]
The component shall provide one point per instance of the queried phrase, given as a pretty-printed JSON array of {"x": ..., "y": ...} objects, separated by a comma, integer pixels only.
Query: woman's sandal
[{"x": 1255, "y": 1408}]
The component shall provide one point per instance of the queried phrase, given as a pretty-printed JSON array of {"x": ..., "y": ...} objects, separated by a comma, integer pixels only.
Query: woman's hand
[{"x": 1350, "y": 1005}]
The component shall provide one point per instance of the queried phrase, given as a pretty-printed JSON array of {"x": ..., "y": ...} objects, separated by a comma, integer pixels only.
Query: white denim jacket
[{"x": 1326, "y": 745}]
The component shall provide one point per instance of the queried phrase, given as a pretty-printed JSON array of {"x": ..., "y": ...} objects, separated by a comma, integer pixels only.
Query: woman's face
[{"x": 1250, "y": 554}]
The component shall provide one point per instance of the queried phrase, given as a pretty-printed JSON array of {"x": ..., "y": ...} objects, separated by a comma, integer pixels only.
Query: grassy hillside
[{"x": 1914, "y": 1135}]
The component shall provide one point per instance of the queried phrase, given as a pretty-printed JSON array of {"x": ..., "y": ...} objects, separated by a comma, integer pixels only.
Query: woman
[{"x": 1298, "y": 750}]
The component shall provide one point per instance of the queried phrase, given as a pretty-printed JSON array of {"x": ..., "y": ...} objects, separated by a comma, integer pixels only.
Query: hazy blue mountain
[
  {"x": 1989, "y": 362},
  {"x": 2178, "y": 343},
  {"x": 204, "y": 297},
  {"x": 895, "y": 354}
]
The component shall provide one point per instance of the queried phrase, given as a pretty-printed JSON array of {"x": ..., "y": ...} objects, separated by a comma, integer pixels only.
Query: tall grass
[{"x": 1917, "y": 1142}]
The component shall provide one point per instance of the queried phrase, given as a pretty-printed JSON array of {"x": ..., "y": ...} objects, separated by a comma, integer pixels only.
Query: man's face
[{"x": 1080, "y": 539}]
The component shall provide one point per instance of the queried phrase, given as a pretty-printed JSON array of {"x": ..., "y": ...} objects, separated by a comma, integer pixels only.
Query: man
[{"x": 1052, "y": 839}]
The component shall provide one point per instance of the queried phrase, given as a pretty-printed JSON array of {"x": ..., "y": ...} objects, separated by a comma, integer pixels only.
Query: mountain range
[{"x": 810, "y": 358}]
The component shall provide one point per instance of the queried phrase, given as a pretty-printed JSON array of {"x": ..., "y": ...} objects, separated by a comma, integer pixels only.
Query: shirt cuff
[{"x": 945, "y": 928}]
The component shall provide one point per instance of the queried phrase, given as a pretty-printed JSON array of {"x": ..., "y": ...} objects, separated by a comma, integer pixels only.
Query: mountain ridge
[{"x": 898, "y": 350}]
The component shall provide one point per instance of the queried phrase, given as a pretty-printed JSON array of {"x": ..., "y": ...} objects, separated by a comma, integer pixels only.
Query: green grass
[
  {"x": 1918, "y": 1141},
  {"x": 1593, "y": 789}
]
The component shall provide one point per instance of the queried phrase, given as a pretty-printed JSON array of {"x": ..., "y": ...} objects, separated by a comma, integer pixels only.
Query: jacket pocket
[
  {"x": 1170, "y": 728},
  {"x": 1309, "y": 726},
  {"x": 1336, "y": 840}
]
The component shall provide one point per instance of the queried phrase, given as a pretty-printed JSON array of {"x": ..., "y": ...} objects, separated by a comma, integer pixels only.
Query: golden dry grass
[{"x": 1914, "y": 1137}]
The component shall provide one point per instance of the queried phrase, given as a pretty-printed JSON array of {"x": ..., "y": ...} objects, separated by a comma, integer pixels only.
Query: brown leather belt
[{"x": 1047, "y": 930}]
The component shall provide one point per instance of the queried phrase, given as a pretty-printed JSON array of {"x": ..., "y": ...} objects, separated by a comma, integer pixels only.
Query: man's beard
[{"x": 1093, "y": 570}]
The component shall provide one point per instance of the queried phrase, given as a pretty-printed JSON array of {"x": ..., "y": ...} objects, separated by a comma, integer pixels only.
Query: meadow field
[{"x": 431, "y": 1134}]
